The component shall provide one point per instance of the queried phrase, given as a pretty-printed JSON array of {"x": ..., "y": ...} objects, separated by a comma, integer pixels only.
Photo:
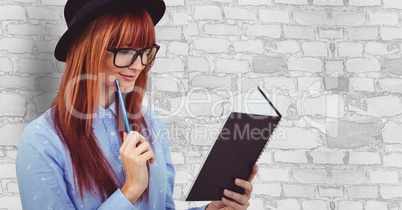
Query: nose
[{"x": 136, "y": 65}]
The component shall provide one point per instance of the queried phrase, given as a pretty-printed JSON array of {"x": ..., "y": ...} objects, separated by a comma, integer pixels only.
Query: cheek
[{"x": 109, "y": 71}]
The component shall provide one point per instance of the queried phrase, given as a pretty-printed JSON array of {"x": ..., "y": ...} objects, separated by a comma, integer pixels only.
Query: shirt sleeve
[{"x": 41, "y": 171}]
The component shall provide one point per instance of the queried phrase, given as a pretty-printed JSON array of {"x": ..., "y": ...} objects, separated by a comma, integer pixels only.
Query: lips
[{"x": 128, "y": 77}]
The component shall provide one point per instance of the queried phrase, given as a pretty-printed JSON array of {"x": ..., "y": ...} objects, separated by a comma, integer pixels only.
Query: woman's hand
[
  {"x": 135, "y": 153},
  {"x": 239, "y": 202}
]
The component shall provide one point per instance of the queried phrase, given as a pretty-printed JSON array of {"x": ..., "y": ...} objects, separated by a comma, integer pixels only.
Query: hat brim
[{"x": 155, "y": 8}]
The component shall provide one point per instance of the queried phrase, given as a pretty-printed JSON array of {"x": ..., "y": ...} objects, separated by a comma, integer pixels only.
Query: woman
[{"x": 74, "y": 156}]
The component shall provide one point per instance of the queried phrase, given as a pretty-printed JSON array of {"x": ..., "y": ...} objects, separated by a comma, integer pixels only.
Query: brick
[
  {"x": 181, "y": 177},
  {"x": 162, "y": 51},
  {"x": 310, "y": 17},
  {"x": 179, "y": 48},
  {"x": 392, "y": 66},
  {"x": 388, "y": 33},
  {"x": 251, "y": 46},
  {"x": 290, "y": 157},
  {"x": 223, "y": 1},
  {"x": 32, "y": 66},
  {"x": 57, "y": 30},
  {"x": 389, "y": 192},
  {"x": 168, "y": 33},
  {"x": 12, "y": 153},
  {"x": 266, "y": 157},
  {"x": 393, "y": 4},
  {"x": 283, "y": 103},
  {"x": 392, "y": 132},
  {"x": 180, "y": 18},
  {"x": 331, "y": 192},
  {"x": 207, "y": 13},
  {"x": 300, "y": 191},
  {"x": 286, "y": 204},
  {"x": 314, "y": 49},
  {"x": 270, "y": 189},
  {"x": 288, "y": 46},
  {"x": 334, "y": 158},
  {"x": 310, "y": 176},
  {"x": 336, "y": 84},
  {"x": 359, "y": 65},
  {"x": 348, "y": 176},
  {"x": 8, "y": 81},
  {"x": 212, "y": 45},
  {"x": 222, "y": 29},
  {"x": 25, "y": 29},
  {"x": 325, "y": 33},
  {"x": 12, "y": 187},
  {"x": 381, "y": 177},
  {"x": 43, "y": 101},
  {"x": 362, "y": 84},
  {"x": 272, "y": 31},
  {"x": 12, "y": 105},
  {"x": 362, "y": 33},
  {"x": 47, "y": 46},
  {"x": 392, "y": 160},
  {"x": 350, "y": 205},
  {"x": 382, "y": 18},
  {"x": 163, "y": 65},
  {"x": 274, "y": 16},
  {"x": 42, "y": 13},
  {"x": 209, "y": 81},
  {"x": 375, "y": 106},
  {"x": 205, "y": 104},
  {"x": 376, "y": 48},
  {"x": 367, "y": 192},
  {"x": 8, "y": 171},
  {"x": 10, "y": 202},
  {"x": 265, "y": 64},
  {"x": 348, "y": 18},
  {"x": 294, "y": 138},
  {"x": 167, "y": 83},
  {"x": 256, "y": 203},
  {"x": 274, "y": 174},
  {"x": 10, "y": 134},
  {"x": 348, "y": 49},
  {"x": 279, "y": 83},
  {"x": 391, "y": 85},
  {"x": 297, "y": 2},
  {"x": 365, "y": 2},
  {"x": 299, "y": 32},
  {"x": 12, "y": 13},
  {"x": 334, "y": 68},
  {"x": 254, "y": 2},
  {"x": 376, "y": 205},
  {"x": 239, "y": 13},
  {"x": 16, "y": 45},
  {"x": 328, "y": 2},
  {"x": 323, "y": 105},
  {"x": 309, "y": 83},
  {"x": 364, "y": 158},
  {"x": 198, "y": 64},
  {"x": 305, "y": 64},
  {"x": 53, "y": 2},
  {"x": 231, "y": 66},
  {"x": 314, "y": 205},
  {"x": 177, "y": 157},
  {"x": 246, "y": 84},
  {"x": 190, "y": 29},
  {"x": 6, "y": 65},
  {"x": 349, "y": 134},
  {"x": 173, "y": 3}
]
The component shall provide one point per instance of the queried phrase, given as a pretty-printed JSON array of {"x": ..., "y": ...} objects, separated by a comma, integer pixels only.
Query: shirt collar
[{"x": 101, "y": 113}]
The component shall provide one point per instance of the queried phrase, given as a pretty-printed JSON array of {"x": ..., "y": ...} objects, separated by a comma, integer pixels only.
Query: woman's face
[{"x": 126, "y": 76}]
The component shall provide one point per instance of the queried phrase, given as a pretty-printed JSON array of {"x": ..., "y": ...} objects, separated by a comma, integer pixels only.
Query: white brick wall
[{"x": 337, "y": 149}]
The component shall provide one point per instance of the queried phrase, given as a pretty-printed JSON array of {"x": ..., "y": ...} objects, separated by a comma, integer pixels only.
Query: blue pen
[{"x": 123, "y": 108}]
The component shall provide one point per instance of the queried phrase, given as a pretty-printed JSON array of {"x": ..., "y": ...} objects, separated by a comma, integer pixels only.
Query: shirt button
[
  {"x": 119, "y": 157},
  {"x": 107, "y": 113},
  {"x": 112, "y": 133}
]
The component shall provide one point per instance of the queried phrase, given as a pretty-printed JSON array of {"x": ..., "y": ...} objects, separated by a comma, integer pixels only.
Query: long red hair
[{"x": 78, "y": 95}]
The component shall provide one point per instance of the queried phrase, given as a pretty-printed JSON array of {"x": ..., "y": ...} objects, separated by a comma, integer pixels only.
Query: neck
[{"x": 106, "y": 99}]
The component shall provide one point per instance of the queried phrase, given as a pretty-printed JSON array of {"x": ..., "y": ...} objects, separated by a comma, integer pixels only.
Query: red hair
[{"x": 79, "y": 91}]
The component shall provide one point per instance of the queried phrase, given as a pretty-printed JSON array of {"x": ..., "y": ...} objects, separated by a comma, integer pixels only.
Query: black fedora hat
[{"x": 79, "y": 13}]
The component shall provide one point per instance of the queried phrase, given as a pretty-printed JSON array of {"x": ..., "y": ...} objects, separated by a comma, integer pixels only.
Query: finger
[
  {"x": 240, "y": 199},
  {"x": 253, "y": 173},
  {"x": 149, "y": 155},
  {"x": 142, "y": 148},
  {"x": 232, "y": 204},
  {"x": 124, "y": 145},
  {"x": 247, "y": 186}
]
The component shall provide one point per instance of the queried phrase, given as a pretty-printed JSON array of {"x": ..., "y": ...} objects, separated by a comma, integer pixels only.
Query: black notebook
[{"x": 237, "y": 148}]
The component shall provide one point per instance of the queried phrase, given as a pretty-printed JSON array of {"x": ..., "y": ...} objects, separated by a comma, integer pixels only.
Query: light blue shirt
[{"x": 45, "y": 176}]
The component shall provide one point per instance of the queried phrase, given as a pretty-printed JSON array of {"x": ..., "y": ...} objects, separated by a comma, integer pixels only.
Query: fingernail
[
  {"x": 238, "y": 181},
  {"x": 226, "y": 192}
]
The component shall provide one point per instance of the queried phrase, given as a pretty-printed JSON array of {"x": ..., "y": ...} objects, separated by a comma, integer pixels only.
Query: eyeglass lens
[{"x": 125, "y": 57}]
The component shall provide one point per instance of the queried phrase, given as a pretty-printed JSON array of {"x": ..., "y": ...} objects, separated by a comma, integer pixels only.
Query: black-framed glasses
[{"x": 124, "y": 57}]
